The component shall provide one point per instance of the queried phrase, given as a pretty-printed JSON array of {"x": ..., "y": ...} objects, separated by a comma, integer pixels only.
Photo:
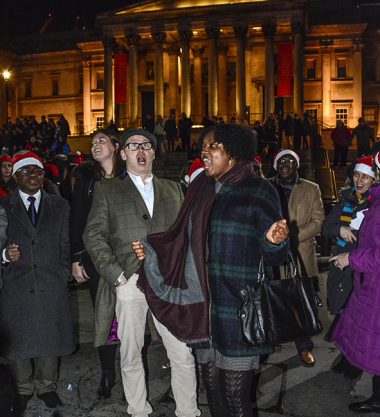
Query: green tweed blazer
[{"x": 119, "y": 216}]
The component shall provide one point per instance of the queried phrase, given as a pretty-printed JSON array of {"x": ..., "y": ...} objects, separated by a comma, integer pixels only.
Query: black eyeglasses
[
  {"x": 133, "y": 146},
  {"x": 30, "y": 171}
]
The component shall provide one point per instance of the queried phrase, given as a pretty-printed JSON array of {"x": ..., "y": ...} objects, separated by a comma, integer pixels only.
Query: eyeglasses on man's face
[
  {"x": 133, "y": 146},
  {"x": 287, "y": 161},
  {"x": 31, "y": 171}
]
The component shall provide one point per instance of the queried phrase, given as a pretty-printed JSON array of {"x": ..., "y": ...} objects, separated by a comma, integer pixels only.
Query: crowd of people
[{"x": 150, "y": 254}]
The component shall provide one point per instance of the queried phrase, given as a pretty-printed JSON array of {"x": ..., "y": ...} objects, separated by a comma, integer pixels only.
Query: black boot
[
  {"x": 107, "y": 355},
  {"x": 211, "y": 380},
  {"x": 106, "y": 384},
  {"x": 236, "y": 389},
  {"x": 372, "y": 405}
]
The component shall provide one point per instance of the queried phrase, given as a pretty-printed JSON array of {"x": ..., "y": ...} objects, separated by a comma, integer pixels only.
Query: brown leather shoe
[{"x": 307, "y": 359}]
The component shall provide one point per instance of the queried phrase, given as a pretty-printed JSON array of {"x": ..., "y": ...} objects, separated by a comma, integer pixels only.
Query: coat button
[
  {"x": 34, "y": 266},
  {"x": 31, "y": 290},
  {"x": 32, "y": 242}
]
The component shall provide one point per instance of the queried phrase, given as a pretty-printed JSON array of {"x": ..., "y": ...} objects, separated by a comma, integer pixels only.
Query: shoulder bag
[{"x": 275, "y": 312}]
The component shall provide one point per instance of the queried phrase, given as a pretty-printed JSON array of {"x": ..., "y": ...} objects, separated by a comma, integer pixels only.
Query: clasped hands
[{"x": 12, "y": 252}]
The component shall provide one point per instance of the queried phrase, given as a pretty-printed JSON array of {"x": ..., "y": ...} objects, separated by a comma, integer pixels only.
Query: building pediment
[{"x": 154, "y": 6}]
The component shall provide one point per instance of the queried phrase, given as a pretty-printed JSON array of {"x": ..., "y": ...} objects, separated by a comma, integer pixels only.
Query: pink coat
[{"x": 357, "y": 333}]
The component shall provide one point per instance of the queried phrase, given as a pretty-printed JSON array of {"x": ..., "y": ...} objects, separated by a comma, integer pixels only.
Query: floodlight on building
[{"x": 6, "y": 75}]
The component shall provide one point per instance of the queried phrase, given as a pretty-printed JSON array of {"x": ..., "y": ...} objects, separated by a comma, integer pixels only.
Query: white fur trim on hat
[
  {"x": 377, "y": 160},
  {"x": 196, "y": 173},
  {"x": 26, "y": 161},
  {"x": 365, "y": 169},
  {"x": 286, "y": 152}
]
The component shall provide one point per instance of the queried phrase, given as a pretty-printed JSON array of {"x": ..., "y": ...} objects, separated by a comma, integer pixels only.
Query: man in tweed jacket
[{"x": 126, "y": 209}]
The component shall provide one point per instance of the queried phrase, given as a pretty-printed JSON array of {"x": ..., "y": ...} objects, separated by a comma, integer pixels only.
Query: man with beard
[
  {"x": 302, "y": 207},
  {"x": 126, "y": 209}
]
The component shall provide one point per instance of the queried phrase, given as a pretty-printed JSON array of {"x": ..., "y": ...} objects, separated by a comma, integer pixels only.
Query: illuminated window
[
  {"x": 313, "y": 114},
  {"x": 341, "y": 114},
  {"x": 370, "y": 115},
  {"x": 79, "y": 127},
  {"x": 55, "y": 86},
  {"x": 28, "y": 87},
  {"x": 341, "y": 68},
  {"x": 99, "y": 122},
  {"x": 99, "y": 80},
  {"x": 310, "y": 69}
]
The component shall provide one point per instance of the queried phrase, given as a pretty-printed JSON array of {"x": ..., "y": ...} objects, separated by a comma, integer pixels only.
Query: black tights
[{"x": 228, "y": 392}]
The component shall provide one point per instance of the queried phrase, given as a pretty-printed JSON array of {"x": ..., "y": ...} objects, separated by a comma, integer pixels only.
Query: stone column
[
  {"x": 358, "y": 86},
  {"x": 87, "y": 120},
  {"x": 109, "y": 44},
  {"x": 159, "y": 39},
  {"x": 132, "y": 39},
  {"x": 222, "y": 81},
  {"x": 197, "y": 101},
  {"x": 298, "y": 67},
  {"x": 213, "y": 35},
  {"x": 173, "y": 53},
  {"x": 185, "y": 35},
  {"x": 326, "y": 81},
  {"x": 241, "y": 35},
  {"x": 269, "y": 32}
]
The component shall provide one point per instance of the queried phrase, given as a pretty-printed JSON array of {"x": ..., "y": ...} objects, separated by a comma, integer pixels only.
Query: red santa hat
[
  {"x": 5, "y": 158},
  {"x": 195, "y": 169},
  {"x": 78, "y": 158},
  {"x": 23, "y": 158},
  {"x": 258, "y": 161},
  {"x": 283, "y": 153},
  {"x": 365, "y": 165},
  {"x": 377, "y": 160}
]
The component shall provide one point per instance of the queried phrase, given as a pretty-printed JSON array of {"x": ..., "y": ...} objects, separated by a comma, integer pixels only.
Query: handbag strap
[
  {"x": 261, "y": 276},
  {"x": 294, "y": 264}
]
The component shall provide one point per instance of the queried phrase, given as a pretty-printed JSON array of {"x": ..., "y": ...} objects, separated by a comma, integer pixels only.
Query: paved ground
[{"x": 287, "y": 388}]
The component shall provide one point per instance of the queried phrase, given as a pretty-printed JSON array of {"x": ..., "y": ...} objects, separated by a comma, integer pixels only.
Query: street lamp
[{"x": 6, "y": 74}]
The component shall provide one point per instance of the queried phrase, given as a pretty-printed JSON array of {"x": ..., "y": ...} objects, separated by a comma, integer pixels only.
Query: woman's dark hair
[
  {"x": 238, "y": 141},
  {"x": 118, "y": 166}
]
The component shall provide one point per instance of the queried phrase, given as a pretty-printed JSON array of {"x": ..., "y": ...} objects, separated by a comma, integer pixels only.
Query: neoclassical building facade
[{"x": 243, "y": 59}]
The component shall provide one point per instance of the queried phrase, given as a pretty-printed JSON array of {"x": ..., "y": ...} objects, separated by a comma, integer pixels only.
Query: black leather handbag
[{"x": 280, "y": 311}]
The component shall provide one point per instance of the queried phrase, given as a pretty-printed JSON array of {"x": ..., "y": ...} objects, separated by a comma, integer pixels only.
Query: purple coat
[{"x": 357, "y": 333}]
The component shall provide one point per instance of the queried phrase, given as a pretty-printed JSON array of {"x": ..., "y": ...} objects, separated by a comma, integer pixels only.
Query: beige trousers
[{"x": 131, "y": 312}]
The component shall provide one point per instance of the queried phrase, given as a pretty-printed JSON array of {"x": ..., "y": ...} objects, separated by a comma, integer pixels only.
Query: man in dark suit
[
  {"x": 126, "y": 209},
  {"x": 35, "y": 313}
]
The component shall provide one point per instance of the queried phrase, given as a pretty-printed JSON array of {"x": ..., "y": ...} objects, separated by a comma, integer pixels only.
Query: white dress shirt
[
  {"x": 24, "y": 198},
  {"x": 145, "y": 189}
]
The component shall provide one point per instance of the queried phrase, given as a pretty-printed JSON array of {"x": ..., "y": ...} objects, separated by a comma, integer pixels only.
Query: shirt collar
[
  {"x": 24, "y": 197},
  {"x": 138, "y": 178}
]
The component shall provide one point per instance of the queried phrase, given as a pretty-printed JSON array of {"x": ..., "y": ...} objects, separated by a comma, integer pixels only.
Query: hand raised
[{"x": 278, "y": 232}]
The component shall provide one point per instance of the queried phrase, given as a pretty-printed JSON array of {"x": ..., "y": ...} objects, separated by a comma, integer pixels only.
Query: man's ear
[{"x": 123, "y": 155}]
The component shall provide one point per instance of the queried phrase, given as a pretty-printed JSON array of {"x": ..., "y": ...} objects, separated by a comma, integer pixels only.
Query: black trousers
[{"x": 340, "y": 155}]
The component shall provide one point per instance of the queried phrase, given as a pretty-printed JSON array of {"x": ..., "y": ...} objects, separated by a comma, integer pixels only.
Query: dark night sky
[{"x": 20, "y": 17}]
